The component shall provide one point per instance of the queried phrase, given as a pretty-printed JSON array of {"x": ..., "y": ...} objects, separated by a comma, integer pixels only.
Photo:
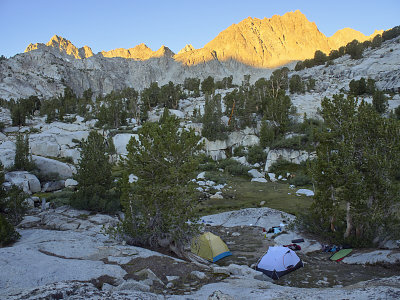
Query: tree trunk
[
  {"x": 359, "y": 231},
  {"x": 333, "y": 219},
  {"x": 333, "y": 199},
  {"x": 348, "y": 221}
]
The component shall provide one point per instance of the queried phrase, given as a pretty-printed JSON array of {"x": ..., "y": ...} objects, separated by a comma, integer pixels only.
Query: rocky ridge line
[{"x": 255, "y": 42}]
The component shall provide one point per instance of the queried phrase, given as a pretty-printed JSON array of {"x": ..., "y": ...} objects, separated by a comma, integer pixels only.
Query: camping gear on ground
[
  {"x": 293, "y": 247},
  {"x": 329, "y": 248},
  {"x": 297, "y": 241},
  {"x": 275, "y": 229},
  {"x": 278, "y": 261},
  {"x": 209, "y": 246},
  {"x": 338, "y": 256}
]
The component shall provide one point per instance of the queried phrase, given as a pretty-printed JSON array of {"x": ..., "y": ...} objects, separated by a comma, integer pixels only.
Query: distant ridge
[
  {"x": 264, "y": 43},
  {"x": 63, "y": 45}
]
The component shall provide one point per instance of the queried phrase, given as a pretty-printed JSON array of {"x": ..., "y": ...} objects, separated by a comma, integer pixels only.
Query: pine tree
[
  {"x": 94, "y": 177},
  {"x": 379, "y": 101},
  {"x": 11, "y": 211},
  {"x": 22, "y": 159},
  {"x": 277, "y": 110},
  {"x": 354, "y": 49},
  {"x": 207, "y": 86},
  {"x": 320, "y": 57},
  {"x": 267, "y": 134},
  {"x": 213, "y": 128},
  {"x": 159, "y": 205},
  {"x": 296, "y": 85},
  {"x": 356, "y": 193}
]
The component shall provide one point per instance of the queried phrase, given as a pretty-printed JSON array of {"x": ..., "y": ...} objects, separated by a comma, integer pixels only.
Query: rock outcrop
[
  {"x": 252, "y": 47},
  {"x": 121, "y": 140},
  {"x": 293, "y": 156},
  {"x": 216, "y": 149},
  {"x": 346, "y": 35},
  {"x": 24, "y": 180},
  {"x": 53, "y": 168},
  {"x": 64, "y": 46},
  {"x": 271, "y": 42},
  {"x": 185, "y": 49},
  {"x": 139, "y": 52}
]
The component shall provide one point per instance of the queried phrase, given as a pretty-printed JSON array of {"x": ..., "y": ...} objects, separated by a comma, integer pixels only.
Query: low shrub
[
  {"x": 60, "y": 198},
  {"x": 300, "y": 179},
  {"x": 93, "y": 200},
  {"x": 218, "y": 178},
  {"x": 239, "y": 151},
  {"x": 8, "y": 234},
  {"x": 207, "y": 163},
  {"x": 34, "y": 130},
  {"x": 282, "y": 167},
  {"x": 13, "y": 206},
  {"x": 256, "y": 154},
  {"x": 234, "y": 167},
  {"x": 295, "y": 143}
]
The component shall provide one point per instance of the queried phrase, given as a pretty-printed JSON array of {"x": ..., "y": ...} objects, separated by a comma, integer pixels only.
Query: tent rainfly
[
  {"x": 210, "y": 246},
  {"x": 279, "y": 261}
]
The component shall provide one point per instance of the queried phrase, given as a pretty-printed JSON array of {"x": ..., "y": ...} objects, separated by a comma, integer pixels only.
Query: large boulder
[
  {"x": 7, "y": 153},
  {"x": 214, "y": 145},
  {"x": 24, "y": 180},
  {"x": 307, "y": 192},
  {"x": 121, "y": 141},
  {"x": 293, "y": 156},
  {"x": 216, "y": 149},
  {"x": 44, "y": 144},
  {"x": 177, "y": 113},
  {"x": 242, "y": 138},
  {"x": 74, "y": 153},
  {"x": 51, "y": 167},
  {"x": 56, "y": 137},
  {"x": 3, "y": 137},
  {"x": 52, "y": 186},
  {"x": 255, "y": 174},
  {"x": 71, "y": 183}
]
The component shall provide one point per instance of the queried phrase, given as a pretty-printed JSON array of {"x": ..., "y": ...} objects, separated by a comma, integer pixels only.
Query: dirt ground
[
  {"x": 163, "y": 266},
  {"x": 247, "y": 245}
]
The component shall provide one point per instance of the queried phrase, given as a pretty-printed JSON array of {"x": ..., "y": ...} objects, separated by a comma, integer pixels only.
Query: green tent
[{"x": 210, "y": 246}]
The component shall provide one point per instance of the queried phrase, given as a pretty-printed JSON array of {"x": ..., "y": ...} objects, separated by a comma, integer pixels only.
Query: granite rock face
[
  {"x": 252, "y": 46},
  {"x": 290, "y": 155},
  {"x": 24, "y": 180},
  {"x": 51, "y": 167}
]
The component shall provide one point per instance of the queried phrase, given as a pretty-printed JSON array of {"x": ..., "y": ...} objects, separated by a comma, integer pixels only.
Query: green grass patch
[
  {"x": 60, "y": 198},
  {"x": 245, "y": 194}
]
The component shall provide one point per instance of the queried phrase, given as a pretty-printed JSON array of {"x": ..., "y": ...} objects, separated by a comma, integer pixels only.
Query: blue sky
[{"x": 106, "y": 25}]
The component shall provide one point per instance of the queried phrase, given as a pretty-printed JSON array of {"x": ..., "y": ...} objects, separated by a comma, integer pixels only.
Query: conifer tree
[
  {"x": 159, "y": 205},
  {"x": 22, "y": 159},
  {"x": 379, "y": 101},
  {"x": 213, "y": 128},
  {"x": 267, "y": 134},
  {"x": 207, "y": 86},
  {"x": 94, "y": 177},
  {"x": 356, "y": 193},
  {"x": 277, "y": 110},
  {"x": 11, "y": 211},
  {"x": 296, "y": 85}
]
